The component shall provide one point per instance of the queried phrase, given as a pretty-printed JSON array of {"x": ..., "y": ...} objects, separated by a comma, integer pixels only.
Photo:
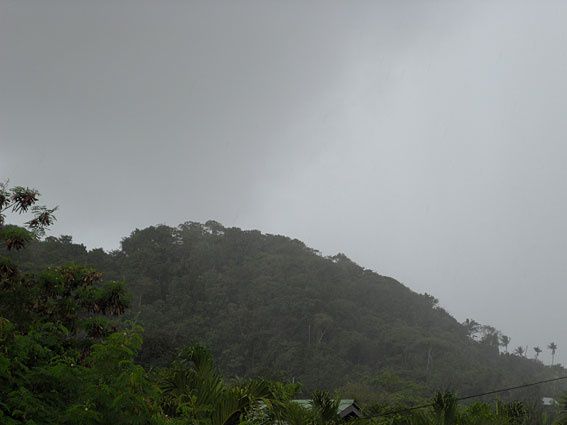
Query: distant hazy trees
[
  {"x": 486, "y": 334},
  {"x": 490, "y": 336},
  {"x": 523, "y": 352},
  {"x": 471, "y": 327},
  {"x": 504, "y": 342},
  {"x": 553, "y": 347}
]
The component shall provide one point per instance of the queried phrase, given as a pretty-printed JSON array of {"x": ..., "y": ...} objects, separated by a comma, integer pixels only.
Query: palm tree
[
  {"x": 321, "y": 410},
  {"x": 519, "y": 351},
  {"x": 537, "y": 351},
  {"x": 445, "y": 408},
  {"x": 471, "y": 327},
  {"x": 553, "y": 347},
  {"x": 193, "y": 385},
  {"x": 504, "y": 341},
  {"x": 325, "y": 406}
]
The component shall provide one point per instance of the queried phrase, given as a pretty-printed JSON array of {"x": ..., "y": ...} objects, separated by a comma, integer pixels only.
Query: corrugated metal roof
[{"x": 343, "y": 404}]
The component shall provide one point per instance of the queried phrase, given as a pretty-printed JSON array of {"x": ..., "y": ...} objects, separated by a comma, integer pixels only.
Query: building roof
[{"x": 347, "y": 407}]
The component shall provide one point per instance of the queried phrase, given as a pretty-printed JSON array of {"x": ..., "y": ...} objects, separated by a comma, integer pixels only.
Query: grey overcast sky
[{"x": 424, "y": 139}]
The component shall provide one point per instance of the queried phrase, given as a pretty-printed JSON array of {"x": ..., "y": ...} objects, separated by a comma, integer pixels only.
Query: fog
[{"x": 425, "y": 140}]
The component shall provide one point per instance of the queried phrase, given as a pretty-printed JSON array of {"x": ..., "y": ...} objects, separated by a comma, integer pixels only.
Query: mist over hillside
[
  {"x": 270, "y": 306},
  {"x": 403, "y": 162}
]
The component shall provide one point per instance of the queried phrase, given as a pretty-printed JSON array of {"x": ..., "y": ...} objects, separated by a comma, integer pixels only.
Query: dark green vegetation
[
  {"x": 270, "y": 306},
  {"x": 270, "y": 309}
]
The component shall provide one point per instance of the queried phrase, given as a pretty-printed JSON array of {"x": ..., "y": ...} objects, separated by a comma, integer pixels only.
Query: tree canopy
[
  {"x": 270, "y": 310},
  {"x": 267, "y": 305}
]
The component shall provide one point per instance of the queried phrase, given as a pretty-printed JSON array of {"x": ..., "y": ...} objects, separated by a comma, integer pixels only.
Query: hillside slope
[{"x": 269, "y": 305}]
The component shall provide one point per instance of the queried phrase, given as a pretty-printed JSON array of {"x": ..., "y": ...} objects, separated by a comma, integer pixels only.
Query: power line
[
  {"x": 513, "y": 388},
  {"x": 423, "y": 406}
]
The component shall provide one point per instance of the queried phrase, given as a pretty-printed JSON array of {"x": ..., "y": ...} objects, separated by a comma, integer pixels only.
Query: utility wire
[
  {"x": 513, "y": 388},
  {"x": 423, "y": 406}
]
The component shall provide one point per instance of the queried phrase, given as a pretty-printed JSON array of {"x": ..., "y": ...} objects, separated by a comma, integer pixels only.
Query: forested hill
[{"x": 270, "y": 306}]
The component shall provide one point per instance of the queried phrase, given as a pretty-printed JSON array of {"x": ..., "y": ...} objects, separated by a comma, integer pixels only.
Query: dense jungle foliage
[
  {"x": 270, "y": 306},
  {"x": 270, "y": 310}
]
